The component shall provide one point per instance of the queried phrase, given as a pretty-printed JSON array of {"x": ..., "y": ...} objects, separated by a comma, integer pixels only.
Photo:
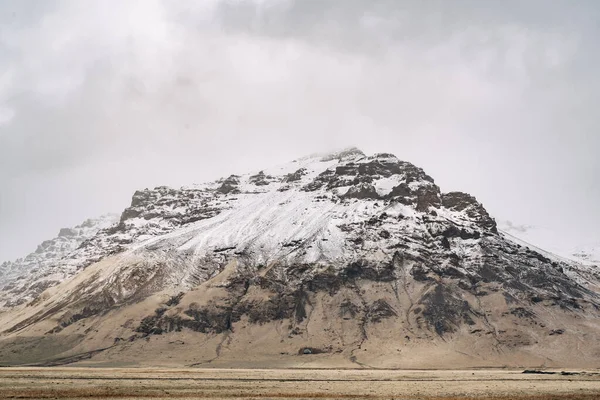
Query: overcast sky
[{"x": 98, "y": 98}]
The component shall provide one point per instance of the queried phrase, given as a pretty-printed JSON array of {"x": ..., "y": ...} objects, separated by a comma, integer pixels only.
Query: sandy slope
[{"x": 395, "y": 342}]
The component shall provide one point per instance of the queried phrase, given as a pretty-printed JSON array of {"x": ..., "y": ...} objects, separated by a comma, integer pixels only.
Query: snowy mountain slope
[
  {"x": 340, "y": 252},
  {"x": 589, "y": 253},
  {"x": 53, "y": 261},
  {"x": 585, "y": 273},
  {"x": 555, "y": 242}
]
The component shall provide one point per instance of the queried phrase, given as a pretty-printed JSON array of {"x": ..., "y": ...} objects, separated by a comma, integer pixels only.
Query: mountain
[
  {"x": 335, "y": 260},
  {"x": 589, "y": 253},
  {"x": 554, "y": 241},
  {"x": 52, "y": 262}
]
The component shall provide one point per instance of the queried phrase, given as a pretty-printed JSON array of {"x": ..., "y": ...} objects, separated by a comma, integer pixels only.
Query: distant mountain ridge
[
  {"x": 53, "y": 261},
  {"x": 551, "y": 240}
]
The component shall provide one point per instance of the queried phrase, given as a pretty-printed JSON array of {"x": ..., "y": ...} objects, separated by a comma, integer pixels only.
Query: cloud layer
[{"x": 97, "y": 99}]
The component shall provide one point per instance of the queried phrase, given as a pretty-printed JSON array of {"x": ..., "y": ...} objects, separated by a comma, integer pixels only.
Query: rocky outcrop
[
  {"x": 463, "y": 202},
  {"x": 230, "y": 185}
]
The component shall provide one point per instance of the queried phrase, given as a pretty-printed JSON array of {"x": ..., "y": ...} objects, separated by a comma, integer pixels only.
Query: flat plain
[{"x": 151, "y": 383}]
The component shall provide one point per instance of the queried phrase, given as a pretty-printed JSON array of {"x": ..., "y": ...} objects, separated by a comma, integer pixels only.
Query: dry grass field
[{"x": 122, "y": 383}]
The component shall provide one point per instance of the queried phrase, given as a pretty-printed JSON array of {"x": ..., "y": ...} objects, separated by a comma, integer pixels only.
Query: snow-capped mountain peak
[{"x": 337, "y": 237}]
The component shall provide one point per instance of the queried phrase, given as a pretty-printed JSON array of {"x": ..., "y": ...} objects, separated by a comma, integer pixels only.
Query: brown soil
[{"x": 122, "y": 383}]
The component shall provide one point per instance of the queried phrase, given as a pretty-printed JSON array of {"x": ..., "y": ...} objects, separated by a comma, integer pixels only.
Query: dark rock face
[
  {"x": 360, "y": 173},
  {"x": 230, "y": 185},
  {"x": 459, "y": 201},
  {"x": 362, "y": 191},
  {"x": 522, "y": 274},
  {"x": 261, "y": 179},
  {"x": 426, "y": 197},
  {"x": 361, "y": 176},
  {"x": 214, "y": 317},
  {"x": 367, "y": 270},
  {"x": 381, "y": 310},
  {"x": 86, "y": 312},
  {"x": 285, "y": 302},
  {"x": 158, "y": 203},
  {"x": 453, "y": 231},
  {"x": 400, "y": 192},
  {"x": 278, "y": 307},
  {"x": 444, "y": 311},
  {"x": 522, "y": 313},
  {"x": 295, "y": 176},
  {"x": 172, "y": 207}
]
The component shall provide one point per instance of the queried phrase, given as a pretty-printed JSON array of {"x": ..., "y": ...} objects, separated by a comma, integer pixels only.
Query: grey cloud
[{"x": 98, "y": 99}]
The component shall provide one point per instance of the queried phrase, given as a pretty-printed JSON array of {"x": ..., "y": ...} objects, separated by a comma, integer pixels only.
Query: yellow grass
[{"x": 147, "y": 383}]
